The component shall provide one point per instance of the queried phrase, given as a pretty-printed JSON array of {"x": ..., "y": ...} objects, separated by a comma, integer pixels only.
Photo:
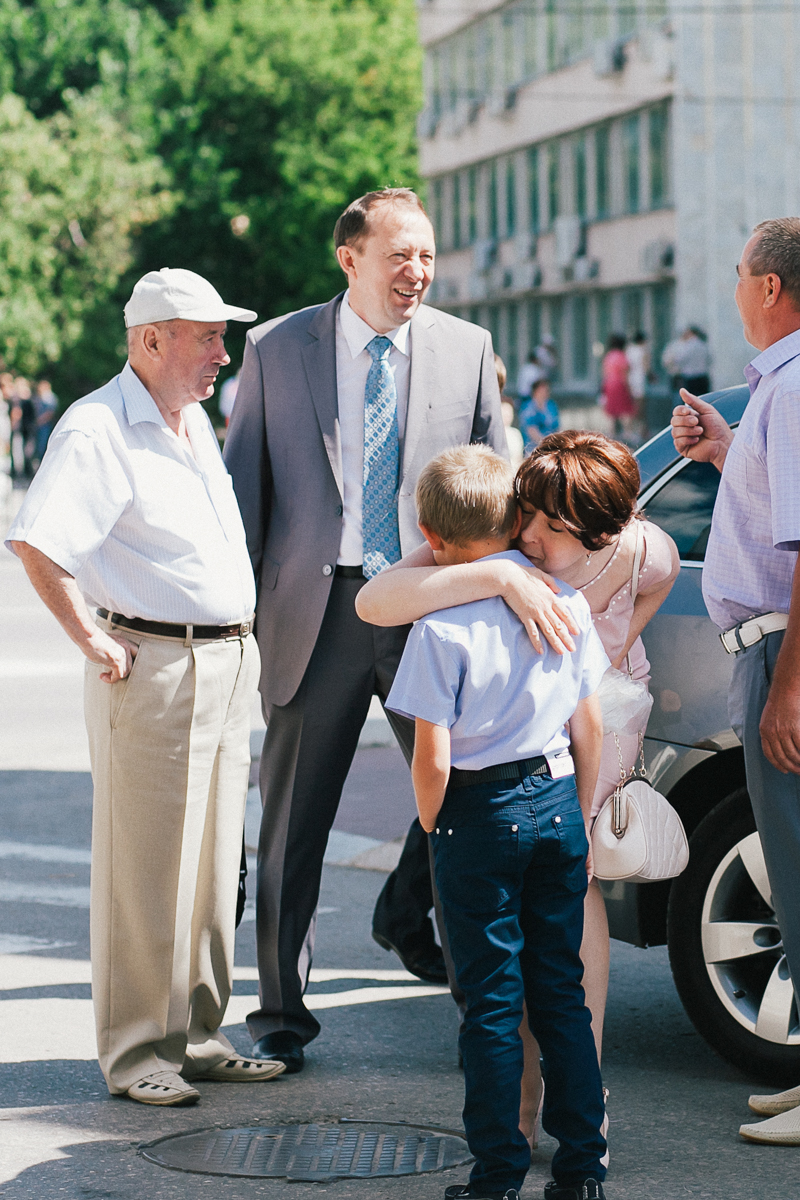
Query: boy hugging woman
[{"x": 506, "y": 758}]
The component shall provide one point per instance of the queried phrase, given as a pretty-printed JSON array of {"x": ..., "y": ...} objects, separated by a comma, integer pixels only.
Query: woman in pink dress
[
  {"x": 577, "y": 491},
  {"x": 618, "y": 401}
]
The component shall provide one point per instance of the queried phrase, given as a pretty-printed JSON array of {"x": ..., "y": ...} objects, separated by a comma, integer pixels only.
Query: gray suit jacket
[{"x": 284, "y": 453}]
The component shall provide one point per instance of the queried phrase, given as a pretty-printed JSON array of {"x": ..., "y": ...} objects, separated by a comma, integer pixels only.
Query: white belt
[{"x": 752, "y": 631}]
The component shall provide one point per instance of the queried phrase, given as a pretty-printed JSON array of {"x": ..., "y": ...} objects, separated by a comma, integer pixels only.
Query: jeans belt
[
  {"x": 200, "y": 633},
  {"x": 752, "y": 631},
  {"x": 509, "y": 770}
]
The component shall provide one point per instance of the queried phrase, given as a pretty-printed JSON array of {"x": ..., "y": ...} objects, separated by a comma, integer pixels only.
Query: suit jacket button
[
  {"x": 327, "y": 569},
  {"x": 339, "y": 510}
]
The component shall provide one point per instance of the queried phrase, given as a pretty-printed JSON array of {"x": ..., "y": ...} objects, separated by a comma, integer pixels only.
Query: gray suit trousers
[
  {"x": 308, "y": 750},
  {"x": 775, "y": 797}
]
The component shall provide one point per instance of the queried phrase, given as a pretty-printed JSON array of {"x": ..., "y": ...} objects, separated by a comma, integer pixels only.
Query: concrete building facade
[{"x": 595, "y": 167}]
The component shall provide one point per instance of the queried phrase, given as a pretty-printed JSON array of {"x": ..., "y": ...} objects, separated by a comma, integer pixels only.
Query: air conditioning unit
[
  {"x": 658, "y": 257},
  {"x": 501, "y": 101},
  {"x": 484, "y": 253},
  {"x": 585, "y": 268},
  {"x": 477, "y": 288},
  {"x": 524, "y": 247},
  {"x": 609, "y": 57},
  {"x": 527, "y": 276},
  {"x": 427, "y": 121},
  {"x": 569, "y": 240}
]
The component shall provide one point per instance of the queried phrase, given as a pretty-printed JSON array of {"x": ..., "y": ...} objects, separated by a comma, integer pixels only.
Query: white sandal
[
  {"x": 238, "y": 1069},
  {"x": 164, "y": 1088}
]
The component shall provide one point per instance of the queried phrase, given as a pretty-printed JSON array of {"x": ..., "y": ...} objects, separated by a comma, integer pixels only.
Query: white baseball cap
[{"x": 174, "y": 293}]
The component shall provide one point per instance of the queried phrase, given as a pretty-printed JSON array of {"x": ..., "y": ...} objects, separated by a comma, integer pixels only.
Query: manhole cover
[{"x": 310, "y": 1152}]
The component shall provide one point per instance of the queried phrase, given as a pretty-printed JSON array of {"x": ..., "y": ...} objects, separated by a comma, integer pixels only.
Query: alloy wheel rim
[{"x": 742, "y": 947}]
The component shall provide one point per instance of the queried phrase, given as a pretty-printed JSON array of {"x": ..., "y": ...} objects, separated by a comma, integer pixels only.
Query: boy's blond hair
[{"x": 466, "y": 494}]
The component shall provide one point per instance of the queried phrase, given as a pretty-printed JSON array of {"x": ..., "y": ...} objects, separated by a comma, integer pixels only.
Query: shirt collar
[
  {"x": 139, "y": 404},
  {"x": 358, "y": 334},
  {"x": 773, "y": 357}
]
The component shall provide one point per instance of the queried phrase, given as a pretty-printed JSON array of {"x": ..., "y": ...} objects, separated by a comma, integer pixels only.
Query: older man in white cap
[{"x": 132, "y": 513}]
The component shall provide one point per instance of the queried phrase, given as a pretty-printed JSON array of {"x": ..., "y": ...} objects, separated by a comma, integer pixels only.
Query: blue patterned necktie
[{"x": 379, "y": 526}]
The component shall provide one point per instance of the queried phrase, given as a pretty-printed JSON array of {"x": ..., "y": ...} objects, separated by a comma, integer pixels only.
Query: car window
[{"x": 683, "y": 508}]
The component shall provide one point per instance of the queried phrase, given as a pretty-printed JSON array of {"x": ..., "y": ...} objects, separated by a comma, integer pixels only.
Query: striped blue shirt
[{"x": 755, "y": 531}]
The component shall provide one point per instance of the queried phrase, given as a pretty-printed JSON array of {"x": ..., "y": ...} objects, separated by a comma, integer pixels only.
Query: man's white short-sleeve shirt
[
  {"x": 473, "y": 670},
  {"x": 147, "y": 526}
]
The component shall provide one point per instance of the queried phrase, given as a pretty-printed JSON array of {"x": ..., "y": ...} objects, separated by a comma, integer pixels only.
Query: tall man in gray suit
[{"x": 339, "y": 408}]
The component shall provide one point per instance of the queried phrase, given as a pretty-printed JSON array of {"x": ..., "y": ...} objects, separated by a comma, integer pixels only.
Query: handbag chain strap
[{"x": 620, "y": 819}]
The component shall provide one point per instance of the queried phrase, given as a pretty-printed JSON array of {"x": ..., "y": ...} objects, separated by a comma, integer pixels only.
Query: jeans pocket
[
  {"x": 477, "y": 866},
  {"x": 573, "y": 848}
]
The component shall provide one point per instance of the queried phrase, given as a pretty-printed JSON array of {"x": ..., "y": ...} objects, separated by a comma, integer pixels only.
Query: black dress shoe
[
  {"x": 419, "y": 957},
  {"x": 285, "y": 1046},
  {"x": 590, "y": 1189}
]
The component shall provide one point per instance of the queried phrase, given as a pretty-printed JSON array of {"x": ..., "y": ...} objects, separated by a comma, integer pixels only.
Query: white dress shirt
[
  {"x": 353, "y": 362},
  {"x": 147, "y": 526}
]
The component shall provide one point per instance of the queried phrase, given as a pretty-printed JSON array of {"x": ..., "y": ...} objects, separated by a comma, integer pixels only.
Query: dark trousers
[
  {"x": 511, "y": 874},
  {"x": 309, "y": 746}
]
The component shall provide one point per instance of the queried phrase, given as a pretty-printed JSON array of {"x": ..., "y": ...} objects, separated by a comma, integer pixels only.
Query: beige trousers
[{"x": 170, "y": 759}]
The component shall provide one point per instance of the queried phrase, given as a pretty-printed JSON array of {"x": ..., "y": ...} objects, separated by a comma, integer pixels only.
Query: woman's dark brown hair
[{"x": 583, "y": 480}]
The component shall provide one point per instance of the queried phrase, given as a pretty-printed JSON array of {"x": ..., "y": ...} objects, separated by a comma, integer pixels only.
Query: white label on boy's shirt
[{"x": 560, "y": 765}]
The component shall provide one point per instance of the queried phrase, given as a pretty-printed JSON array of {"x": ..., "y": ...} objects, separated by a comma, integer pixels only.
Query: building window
[
  {"x": 534, "y": 324},
  {"x": 472, "y": 201},
  {"x": 602, "y": 150},
  {"x": 435, "y": 203},
  {"x": 581, "y": 196},
  {"x": 511, "y": 197},
  {"x": 512, "y": 349},
  {"x": 492, "y": 171},
  {"x": 630, "y": 158},
  {"x": 580, "y": 337},
  {"x": 457, "y": 211},
  {"x": 552, "y": 182},
  {"x": 604, "y": 320},
  {"x": 551, "y": 35},
  {"x": 659, "y": 156},
  {"x": 533, "y": 189}
]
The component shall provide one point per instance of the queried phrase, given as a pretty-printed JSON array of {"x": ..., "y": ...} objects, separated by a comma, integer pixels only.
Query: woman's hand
[{"x": 530, "y": 594}]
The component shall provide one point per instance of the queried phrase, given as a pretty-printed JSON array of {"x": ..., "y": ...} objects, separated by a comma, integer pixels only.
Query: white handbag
[{"x": 637, "y": 834}]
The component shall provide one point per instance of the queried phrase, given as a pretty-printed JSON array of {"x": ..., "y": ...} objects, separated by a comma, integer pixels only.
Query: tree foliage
[{"x": 221, "y": 135}]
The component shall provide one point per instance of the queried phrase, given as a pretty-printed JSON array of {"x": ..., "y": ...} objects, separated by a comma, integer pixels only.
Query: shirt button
[
  {"x": 449, "y": 831},
  {"x": 558, "y": 820},
  {"x": 327, "y": 569},
  {"x": 436, "y": 830},
  {"x": 514, "y": 828}
]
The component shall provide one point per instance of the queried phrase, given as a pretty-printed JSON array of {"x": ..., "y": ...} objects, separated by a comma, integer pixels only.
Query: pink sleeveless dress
[{"x": 613, "y": 624}]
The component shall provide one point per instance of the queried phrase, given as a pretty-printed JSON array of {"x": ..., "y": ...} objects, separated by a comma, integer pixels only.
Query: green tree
[{"x": 74, "y": 188}]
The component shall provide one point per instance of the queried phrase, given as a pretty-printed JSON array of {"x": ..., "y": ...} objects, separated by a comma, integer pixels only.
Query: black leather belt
[
  {"x": 349, "y": 572},
  {"x": 200, "y": 633},
  {"x": 509, "y": 770}
]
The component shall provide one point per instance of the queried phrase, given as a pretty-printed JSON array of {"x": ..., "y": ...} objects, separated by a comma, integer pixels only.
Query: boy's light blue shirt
[{"x": 473, "y": 670}]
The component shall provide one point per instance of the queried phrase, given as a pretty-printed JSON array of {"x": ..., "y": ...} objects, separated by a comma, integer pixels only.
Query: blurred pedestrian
[
  {"x": 618, "y": 402},
  {"x": 751, "y": 586},
  {"x": 227, "y": 396},
  {"x": 513, "y": 435},
  {"x": 547, "y": 356},
  {"x": 23, "y": 429},
  {"x": 687, "y": 360},
  {"x": 529, "y": 374},
  {"x": 132, "y": 512},
  {"x": 538, "y": 415},
  {"x": 46, "y": 406}
]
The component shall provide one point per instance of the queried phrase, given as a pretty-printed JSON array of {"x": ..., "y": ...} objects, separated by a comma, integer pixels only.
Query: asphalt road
[{"x": 674, "y": 1107}]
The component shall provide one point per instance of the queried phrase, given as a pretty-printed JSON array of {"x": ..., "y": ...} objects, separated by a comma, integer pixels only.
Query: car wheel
[{"x": 725, "y": 948}]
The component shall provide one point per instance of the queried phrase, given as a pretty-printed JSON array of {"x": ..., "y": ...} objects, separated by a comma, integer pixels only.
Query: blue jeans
[{"x": 511, "y": 872}]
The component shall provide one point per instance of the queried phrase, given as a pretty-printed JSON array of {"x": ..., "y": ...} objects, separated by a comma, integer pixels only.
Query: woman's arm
[{"x": 410, "y": 590}]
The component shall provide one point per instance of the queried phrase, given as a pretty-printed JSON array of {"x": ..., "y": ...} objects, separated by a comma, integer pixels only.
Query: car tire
[{"x": 725, "y": 949}]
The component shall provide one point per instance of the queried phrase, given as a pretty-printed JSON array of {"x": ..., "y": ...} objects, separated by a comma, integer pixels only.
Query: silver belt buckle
[{"x": 245, "y": 628}]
